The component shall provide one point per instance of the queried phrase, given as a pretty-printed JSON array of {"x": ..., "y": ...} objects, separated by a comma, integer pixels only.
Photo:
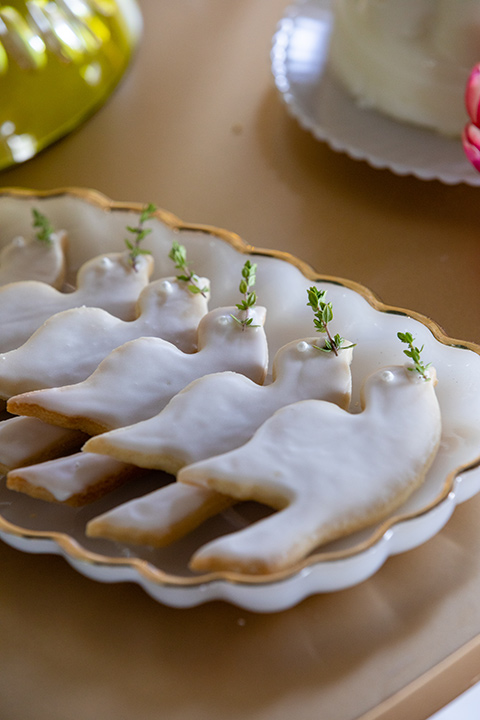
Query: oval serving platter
[{"x": 96, "y": 224}]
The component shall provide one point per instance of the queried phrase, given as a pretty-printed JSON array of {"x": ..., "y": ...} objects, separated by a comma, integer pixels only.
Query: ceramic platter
[
  {"x": 97, "y": 225},
  {"x": 314, "y": 97}
]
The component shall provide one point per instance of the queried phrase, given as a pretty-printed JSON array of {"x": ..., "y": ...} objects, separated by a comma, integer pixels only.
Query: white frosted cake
[{"x": 409, "y": 59}]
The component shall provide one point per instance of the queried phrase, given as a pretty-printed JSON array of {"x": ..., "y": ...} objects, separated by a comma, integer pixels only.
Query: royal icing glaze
[
  {"x": 30, "y": 259},
  {"x": 327, "y": 471},
  {"x": 25, "y": 440},
  {"x": 135, "y": 381},
  {"x": 186, "y": 432},
  {"x": 69, "y": 346},
  {"x": 71, "y": 479},
  {"x": 106, "y": 282}
]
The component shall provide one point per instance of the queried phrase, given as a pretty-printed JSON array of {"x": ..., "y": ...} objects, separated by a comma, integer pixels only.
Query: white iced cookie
[
  {"x": 136, "y": 380},
  {"x": 68, "y": 347},
  {"x": 73, "y": 480},
  {"x": 30, "y": 259},
  {"x": 212, "y": 415},
  {"x": 221, "y": 411},
  {"x": 328, "y": 472},
  {"x": 24, "y": 441},
  {"x": 107, "y": 282}
]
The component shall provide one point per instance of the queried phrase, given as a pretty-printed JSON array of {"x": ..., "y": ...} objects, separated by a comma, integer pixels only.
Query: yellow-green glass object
[{"x": 59, "y": 61}]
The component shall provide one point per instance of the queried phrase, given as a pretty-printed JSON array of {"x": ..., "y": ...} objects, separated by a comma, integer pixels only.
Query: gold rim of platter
[{"x": 72, "y": 548}]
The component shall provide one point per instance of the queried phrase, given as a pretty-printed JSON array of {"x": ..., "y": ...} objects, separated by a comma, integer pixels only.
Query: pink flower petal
[
  {"x": 472, "y": 95},
  {"x": 471, "y": 144}
]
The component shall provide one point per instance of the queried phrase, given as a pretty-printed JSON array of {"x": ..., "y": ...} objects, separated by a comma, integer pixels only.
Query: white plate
[
  {"x": 96, "y": 225},
  {"x": 321, "y": 105}
]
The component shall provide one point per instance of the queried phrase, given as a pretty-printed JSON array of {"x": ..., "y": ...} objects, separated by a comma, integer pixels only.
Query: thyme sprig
[
  {"x": 45, "y": 229},
  {"x": 323, "y": 314},
  {"x": 414, "y": 354},
  {"x": 178, "y": 255},
  {"x": 139, "y": 233},
  {"x": 249, "y": 277}
]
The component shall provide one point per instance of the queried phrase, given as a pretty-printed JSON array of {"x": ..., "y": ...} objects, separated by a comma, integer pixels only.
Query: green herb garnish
[
  {"x": 414, "y": 354},
  {"x": 323, "y": 314},
  {"x": 139, "y": 233},
  {"x": 44, "y": 235},
  {"x": 248, "y": 280},
  {"x": 178, "y": 255}
]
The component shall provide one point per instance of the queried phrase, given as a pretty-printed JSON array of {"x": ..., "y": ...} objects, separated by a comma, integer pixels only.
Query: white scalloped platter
[
  {"x": 321, "y": 105},
  {"x": 97, "y": 225}
]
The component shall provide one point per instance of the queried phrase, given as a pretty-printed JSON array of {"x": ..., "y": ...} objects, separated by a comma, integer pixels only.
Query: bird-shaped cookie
[
  {"x": 69, "y": 346},
  {"x": 212, "y": 415},
  {"x": 220, "y": 411},
  {"x": 40, "y": 257},
  {"x": 107, "y": 282},
  {"x": 328, "y": 472}
]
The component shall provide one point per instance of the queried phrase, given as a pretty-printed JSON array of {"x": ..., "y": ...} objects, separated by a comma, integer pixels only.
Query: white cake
[{"x": 409, "y": 59}]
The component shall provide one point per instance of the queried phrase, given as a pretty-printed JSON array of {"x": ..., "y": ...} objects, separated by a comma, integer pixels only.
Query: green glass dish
[{"x": 59, "y": 62}]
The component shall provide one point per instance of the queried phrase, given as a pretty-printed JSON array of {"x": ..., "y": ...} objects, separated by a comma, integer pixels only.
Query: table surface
[{"x": 198, "y": 128}]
